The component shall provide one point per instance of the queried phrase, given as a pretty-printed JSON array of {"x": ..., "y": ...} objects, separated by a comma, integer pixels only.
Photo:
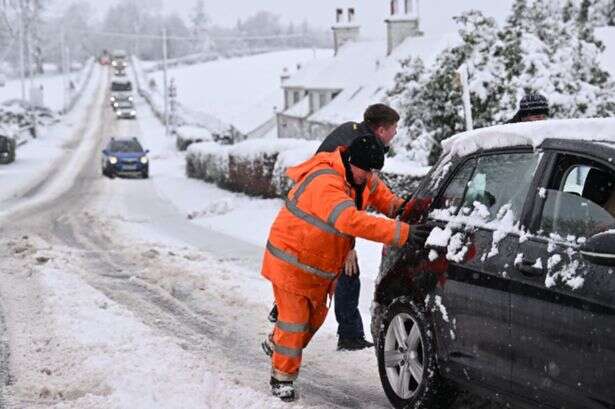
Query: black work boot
[
  {"x": 284, "y": 390},
  {"x": 268, "y": 345},
  {"x": 273, "y": 314},
  {"x": 353, "y": 344}
]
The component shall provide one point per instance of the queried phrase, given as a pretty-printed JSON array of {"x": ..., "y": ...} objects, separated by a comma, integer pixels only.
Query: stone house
[{"x": 334, "y": 90}]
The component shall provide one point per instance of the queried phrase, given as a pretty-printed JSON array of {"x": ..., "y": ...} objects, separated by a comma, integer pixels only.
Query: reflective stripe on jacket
[{"x": 312, "y": 234}]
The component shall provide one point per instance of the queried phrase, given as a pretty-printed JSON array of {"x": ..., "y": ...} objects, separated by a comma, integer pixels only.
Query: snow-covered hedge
[{"x": 258, "y": 167}]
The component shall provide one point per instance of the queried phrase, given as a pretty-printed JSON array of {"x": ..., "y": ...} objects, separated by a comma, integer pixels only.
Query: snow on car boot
[
  {"x": 284, "y": 390},
  {"x": 268, "y": 345}
]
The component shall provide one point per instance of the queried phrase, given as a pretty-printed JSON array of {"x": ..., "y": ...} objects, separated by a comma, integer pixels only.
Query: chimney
[
  {"x": 344, "y": 31},
  {"x": 285, "y": 75},
  {"x": 402, "y": 23}
]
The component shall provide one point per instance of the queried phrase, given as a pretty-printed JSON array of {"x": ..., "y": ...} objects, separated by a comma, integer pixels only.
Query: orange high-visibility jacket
[{"x": 312, "y": 235}]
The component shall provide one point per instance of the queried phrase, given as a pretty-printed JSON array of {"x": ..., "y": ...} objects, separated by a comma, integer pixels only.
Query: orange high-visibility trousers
[{"x": 298, "y": 320}]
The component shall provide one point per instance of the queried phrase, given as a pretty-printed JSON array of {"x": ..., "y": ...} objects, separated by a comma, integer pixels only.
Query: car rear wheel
[{"x": 407, "y": 361}]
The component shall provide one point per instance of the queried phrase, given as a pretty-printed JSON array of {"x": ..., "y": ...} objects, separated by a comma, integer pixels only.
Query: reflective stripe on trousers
[{"x": 298, "y": 320}]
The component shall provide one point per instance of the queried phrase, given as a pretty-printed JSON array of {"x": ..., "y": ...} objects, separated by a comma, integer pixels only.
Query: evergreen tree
[{"x": 548, "y": 47}]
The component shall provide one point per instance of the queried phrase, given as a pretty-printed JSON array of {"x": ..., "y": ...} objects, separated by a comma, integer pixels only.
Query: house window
[
  {"x": 313, "y": 101},
  {"x": 297, "y": 97},
  {"x": 322, "y": 99},
  {"x": 393, "y": 7},
  {"x": 409, "y": 6}
]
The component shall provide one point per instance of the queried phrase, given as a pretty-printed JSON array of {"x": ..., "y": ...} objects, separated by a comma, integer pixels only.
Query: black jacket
[{"x": 344, "y": 134}]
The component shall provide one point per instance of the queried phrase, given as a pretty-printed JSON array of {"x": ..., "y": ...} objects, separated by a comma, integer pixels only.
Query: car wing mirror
[
  {"x": 600, "y": 249},
  {"x": 147, "y": 151},
  {"x": 105, "y": 152}
]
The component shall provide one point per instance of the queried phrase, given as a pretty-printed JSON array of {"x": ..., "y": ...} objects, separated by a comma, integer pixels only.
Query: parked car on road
[
  {"x": 7, "y": 148},
  {"x": 125, "y": 156},
  {"x": 514, "y": 294},
  {"x": 124, "y": 109}
]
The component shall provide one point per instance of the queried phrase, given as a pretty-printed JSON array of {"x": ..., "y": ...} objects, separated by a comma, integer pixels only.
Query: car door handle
[{"x": 529, "y": 269}]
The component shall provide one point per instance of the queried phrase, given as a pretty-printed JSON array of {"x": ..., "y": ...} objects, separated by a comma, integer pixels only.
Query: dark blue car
[{"x": 125, "y": 157}]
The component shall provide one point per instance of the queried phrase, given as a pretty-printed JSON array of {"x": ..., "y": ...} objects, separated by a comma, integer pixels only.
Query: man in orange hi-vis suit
[{"x": 311, "y": 237}]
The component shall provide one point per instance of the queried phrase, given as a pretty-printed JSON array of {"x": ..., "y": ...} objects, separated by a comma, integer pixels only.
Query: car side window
[
  {"x": 453, "y": 194},
  {"x": 500, "y": 185},
  {"x": 579, "y": 201}
]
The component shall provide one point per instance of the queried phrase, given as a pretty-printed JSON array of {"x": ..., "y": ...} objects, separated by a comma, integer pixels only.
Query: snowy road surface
[{"x": 112, "y": 298}]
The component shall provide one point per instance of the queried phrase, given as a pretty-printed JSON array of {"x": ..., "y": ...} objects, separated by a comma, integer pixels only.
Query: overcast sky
[{"x": 435, "y": 14}]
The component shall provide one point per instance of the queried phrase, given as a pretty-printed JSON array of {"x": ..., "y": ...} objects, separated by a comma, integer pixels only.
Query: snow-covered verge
[
  {"x": 258, "y": 167},
  {"x": 35, "y": 160},
  {"x": 84, "y": 349},
  {"x": 83, "y": 79}
]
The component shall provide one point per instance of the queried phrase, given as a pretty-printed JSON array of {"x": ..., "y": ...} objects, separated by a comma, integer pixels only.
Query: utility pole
[
  {"x": 164, "y": 79},
  {"x": 63, "y": 67},
  {"x": 21, "y": 53}
]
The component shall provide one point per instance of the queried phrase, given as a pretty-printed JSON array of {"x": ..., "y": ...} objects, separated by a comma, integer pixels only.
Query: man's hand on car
[
  {"x": 351, "y": 266},
  {"x": 418, "y": 235}
]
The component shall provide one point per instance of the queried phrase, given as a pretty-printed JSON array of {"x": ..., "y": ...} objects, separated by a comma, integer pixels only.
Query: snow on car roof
[{"x": 530, "y": 133}]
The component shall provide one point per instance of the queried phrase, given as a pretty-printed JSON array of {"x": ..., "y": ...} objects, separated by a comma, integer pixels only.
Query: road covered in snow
[
  {"x": 146, "y": 293},
  {"x": 114, "y": 298}
]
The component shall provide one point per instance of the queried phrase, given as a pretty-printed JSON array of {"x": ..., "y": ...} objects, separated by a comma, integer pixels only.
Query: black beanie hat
[
  {"x": 533, "y": 104},
  {"x": 366, "y": 153}
]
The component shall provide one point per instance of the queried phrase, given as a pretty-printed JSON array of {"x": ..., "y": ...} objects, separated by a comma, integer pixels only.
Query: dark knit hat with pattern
[
  {"x": 533, "y": 104},
  {"x": 366, "y": 153}
]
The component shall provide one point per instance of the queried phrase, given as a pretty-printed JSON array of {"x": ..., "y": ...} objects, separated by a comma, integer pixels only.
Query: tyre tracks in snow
[{"x": 201, "y": 322}]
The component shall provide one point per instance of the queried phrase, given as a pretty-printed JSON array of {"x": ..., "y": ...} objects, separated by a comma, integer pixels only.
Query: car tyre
[
  {"x": 407, "y": 359},
  {"x": 145, "y": 174}
]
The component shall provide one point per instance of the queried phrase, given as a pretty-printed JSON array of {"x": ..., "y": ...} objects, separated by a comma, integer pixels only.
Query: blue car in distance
[{"x": 125, "y": 157}]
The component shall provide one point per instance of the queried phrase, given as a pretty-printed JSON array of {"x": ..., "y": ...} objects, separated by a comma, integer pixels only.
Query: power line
[{"x": 159, "y": 37}]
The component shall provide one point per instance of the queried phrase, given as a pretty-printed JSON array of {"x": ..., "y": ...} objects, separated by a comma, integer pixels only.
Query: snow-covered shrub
[
  {"x": 187, "y": 135},
  {"x": 249, "y": 167},
  {"x": 258, "y": 167},
  {"x": 548, "y": 47}
]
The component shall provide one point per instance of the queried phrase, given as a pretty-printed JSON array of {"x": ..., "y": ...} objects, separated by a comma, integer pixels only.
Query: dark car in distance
[
  {"x": 125, "y": 157},
  {"x": 513, "y": 296}
]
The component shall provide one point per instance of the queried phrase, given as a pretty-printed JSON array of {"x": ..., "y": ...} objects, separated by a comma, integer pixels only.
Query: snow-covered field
[
  {"x": 53, "y": 88},
  {"x": 240, "y": 91}
]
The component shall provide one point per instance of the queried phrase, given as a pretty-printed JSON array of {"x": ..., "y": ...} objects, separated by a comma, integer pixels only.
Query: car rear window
[
  {"x": 125, "y": 146},
  {"x": 121, "y": 86}
]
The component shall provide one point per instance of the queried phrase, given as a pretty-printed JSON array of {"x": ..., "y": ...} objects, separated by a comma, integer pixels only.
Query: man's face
[
  {"x": 359, "y": 175},
  {"x": 532, "y": 118},
  {"x": 386, "y": 133}
]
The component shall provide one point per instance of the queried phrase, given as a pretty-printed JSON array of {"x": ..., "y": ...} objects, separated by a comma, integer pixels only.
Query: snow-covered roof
[
  {"x": 530, "y": 133},
  {"x": 370, "y": 84},
  {"x": 607, "y": 59}
]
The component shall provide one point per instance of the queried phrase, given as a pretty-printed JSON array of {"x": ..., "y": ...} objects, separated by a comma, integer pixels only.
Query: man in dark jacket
[
  {"x": 533, "y": 107},
  {"x": 380, "y": 123}
]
